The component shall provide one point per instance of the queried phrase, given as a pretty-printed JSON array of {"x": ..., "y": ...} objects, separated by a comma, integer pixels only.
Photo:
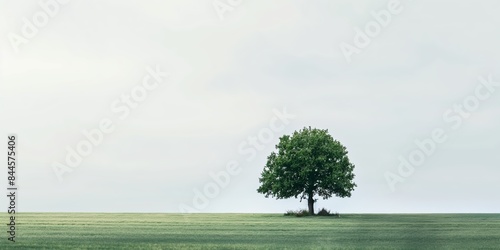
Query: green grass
[{"x": 253, "y": 231}]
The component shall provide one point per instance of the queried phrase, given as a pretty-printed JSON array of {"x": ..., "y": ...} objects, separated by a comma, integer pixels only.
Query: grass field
[{"x": 254, "y": 231}]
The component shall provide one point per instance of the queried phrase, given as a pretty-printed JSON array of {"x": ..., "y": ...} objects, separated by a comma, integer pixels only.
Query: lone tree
[{"x": 308, "y": 163}]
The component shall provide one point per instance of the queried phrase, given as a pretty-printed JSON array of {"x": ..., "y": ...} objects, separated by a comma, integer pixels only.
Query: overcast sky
[{"x": 240, "y": 71}]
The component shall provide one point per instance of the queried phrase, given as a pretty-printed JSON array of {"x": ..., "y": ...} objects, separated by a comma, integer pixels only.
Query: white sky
[{"x": 226, "y": 77}]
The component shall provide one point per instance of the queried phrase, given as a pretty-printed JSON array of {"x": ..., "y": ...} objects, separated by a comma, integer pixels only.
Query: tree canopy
[{"x": 308, "y": 163}]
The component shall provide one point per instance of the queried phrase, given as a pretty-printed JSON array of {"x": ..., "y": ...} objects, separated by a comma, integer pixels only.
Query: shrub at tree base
[
  {"x": 326, "y": 212},
  {"x": 305, "y": 212},
  {"x": 298, "y": 213}
]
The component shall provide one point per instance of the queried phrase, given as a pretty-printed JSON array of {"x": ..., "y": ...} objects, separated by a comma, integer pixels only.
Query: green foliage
[
  {"x": 305, "y": 212},
  {"x": 307, "y": 163},
  {"x": 323, "y": 212},
  {"x": 298, "y": 213},
  {"x": 326, "y": 212}
]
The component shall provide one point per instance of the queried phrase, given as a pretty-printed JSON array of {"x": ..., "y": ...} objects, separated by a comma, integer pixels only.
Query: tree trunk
[{"x": 310, "y": 202}]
